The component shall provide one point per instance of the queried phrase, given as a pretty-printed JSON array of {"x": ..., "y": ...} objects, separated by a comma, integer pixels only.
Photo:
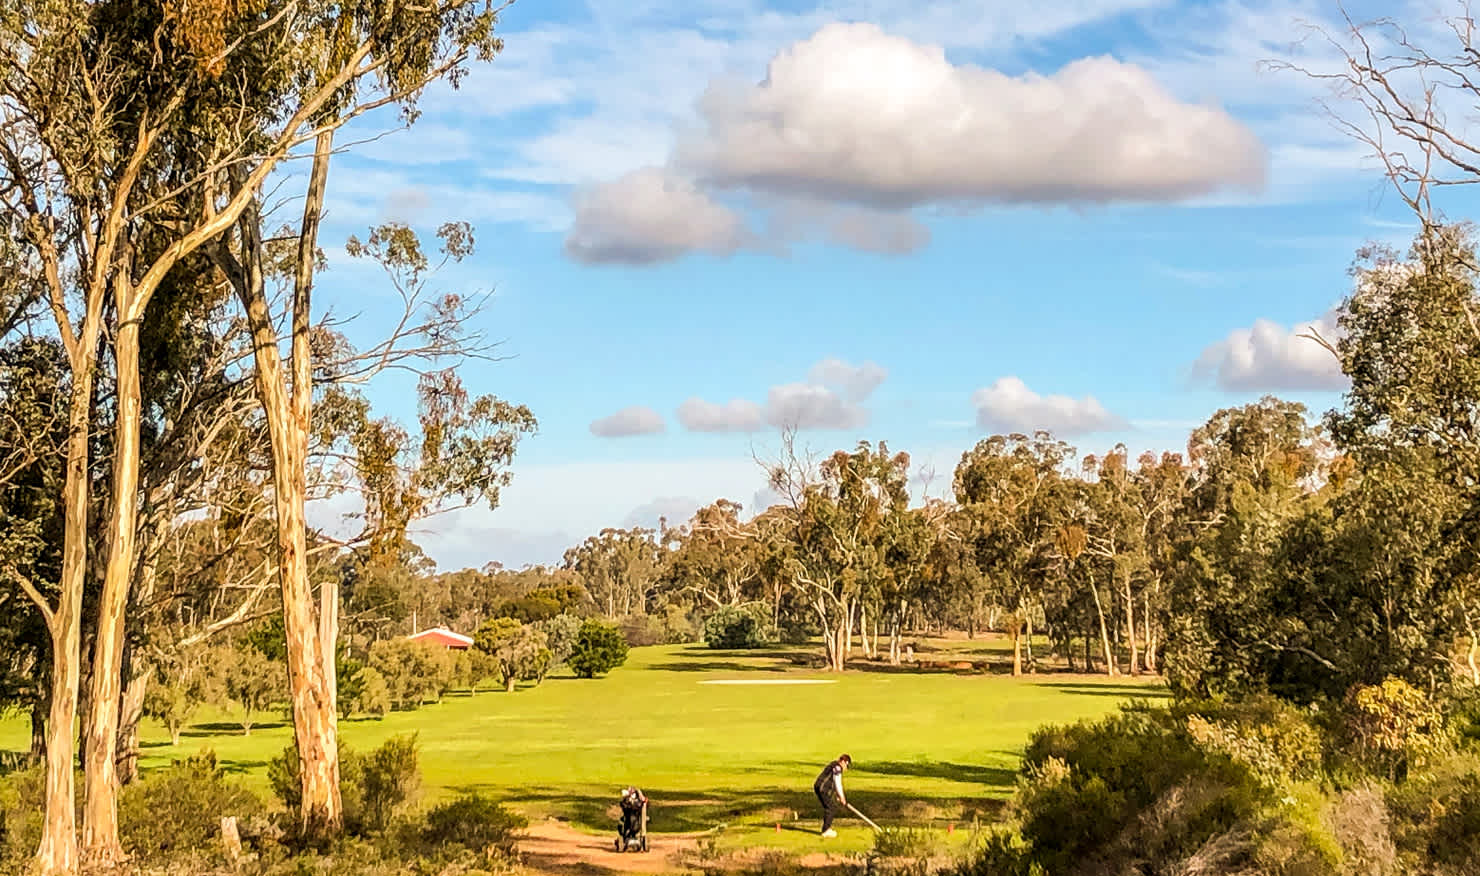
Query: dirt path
[{"x": 555, "y": 847}]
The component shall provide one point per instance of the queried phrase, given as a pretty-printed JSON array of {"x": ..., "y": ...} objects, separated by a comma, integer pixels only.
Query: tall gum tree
[{"x": 91, "y": 117}]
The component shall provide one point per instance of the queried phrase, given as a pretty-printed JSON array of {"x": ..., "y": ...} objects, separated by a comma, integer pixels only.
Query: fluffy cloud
[
  {"x": 831, "y": 398},
  {"x": 1269, "y": 357},
  {"x": 736, "y": 415},
  {"x": 861, "y": 116},
  {"x": 635, "y": 420},
  {"x": 812, "y": 406},
  {"x": 853, "y": 127},
  {"x": 1008, "y": 405},
  {"x": 855, "y": 382},
  {"x": 648, "y": 216}
]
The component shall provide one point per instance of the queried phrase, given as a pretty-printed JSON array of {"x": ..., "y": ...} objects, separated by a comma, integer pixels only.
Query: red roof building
[{"x": 444, "y": 637}]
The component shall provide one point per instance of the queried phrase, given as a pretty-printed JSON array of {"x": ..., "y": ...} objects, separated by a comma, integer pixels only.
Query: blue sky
[{"x": 922, "y": 222}]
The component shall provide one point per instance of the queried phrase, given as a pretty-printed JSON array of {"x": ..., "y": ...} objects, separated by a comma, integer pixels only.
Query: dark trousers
[{"x": 827, "y": 808}]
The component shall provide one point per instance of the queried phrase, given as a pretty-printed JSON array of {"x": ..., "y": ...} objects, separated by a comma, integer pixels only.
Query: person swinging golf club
[{"x": 829, "y": 788}]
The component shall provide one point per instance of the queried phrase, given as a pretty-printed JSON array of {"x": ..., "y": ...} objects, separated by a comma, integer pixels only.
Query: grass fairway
[{"x": 928, "y": 749}]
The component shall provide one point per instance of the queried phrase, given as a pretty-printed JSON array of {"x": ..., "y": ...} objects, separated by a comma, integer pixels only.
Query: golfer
[{"x": 829, "y": 788}]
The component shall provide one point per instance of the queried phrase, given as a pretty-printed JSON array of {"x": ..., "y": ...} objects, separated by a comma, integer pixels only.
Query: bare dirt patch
[{"x": 553, "y": 846}]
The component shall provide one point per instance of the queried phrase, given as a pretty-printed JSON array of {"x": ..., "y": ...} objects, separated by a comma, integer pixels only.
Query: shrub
[
  {"x": 373, "y": 787},
  {"x": 905, "y": 842},
  {"x": 642, "y": 630},
  {"x": 474, "y": 822},
  {"x": 391, "y": 778},
  {"x": 1200, "y": 782},
  {"x": 180, "y": 808},
  {"x": 561, "y": 632},
  {"x": 1393, "y": 726},
  {"x": 738, "y": 626},
  {"x": 374, "y": 695},
  {"x": 599, "y": 649},
  {"x": 22, "y": 803}
]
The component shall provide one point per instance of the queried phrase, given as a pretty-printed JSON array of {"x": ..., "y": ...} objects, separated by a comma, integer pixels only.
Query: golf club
[{"x": 865, "y": 818}]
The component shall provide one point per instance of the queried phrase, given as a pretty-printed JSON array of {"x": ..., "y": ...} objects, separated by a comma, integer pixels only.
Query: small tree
[
  {"x": 252, "y": 683},
  {"x": 171, "y": 702},
  {"x": 738, "y": 626},
  {"x": 561, "y": 632},
  {"x": 518, "y": 649},
  {"x": 599, "y": 649}
]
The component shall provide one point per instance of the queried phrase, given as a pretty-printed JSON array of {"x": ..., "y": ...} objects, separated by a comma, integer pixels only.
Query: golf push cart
[{"x": 632, "y": 825}]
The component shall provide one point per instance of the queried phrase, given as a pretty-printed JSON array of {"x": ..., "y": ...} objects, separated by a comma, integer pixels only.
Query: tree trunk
[
  {"x": 128, "y": 731},
  {"x": 847, "y": 630},
  {"x": 1130, "y": 626},
  {"x": 38, "y": 732},
  {"x": 509, "y": 683},
  {"x": 1110, "y": 666},
  {"x": 57, "y": 851},
  {"x": 1028, "y": 639},
  {"x": 1017, "y": 648},
  {"x": 100, "y": 845},
  {"x": 315, "y": 724}
]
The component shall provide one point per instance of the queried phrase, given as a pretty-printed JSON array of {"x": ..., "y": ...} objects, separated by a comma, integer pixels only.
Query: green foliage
[
  {"x": 905, "y": 842},
  {"x": 545, "y": 603},
  {"x": 518, "y": 649},
  {"x": 22, "y": 805},
  {"x": 250, "y": 682},
  {"x": 374, "y": 695},
  {"x": 474, "y": 822},
  {"x": 1436, "y": 816},
  {"x": 1394, "y": 727},
  {"x": 374, "y": 787},
  {"x": 1153, "y": 787},
  {"x": 599, "y": 649},
  {"x": 390, "y": 777},
  {"x": 415, "y": 672},
  {"x": 180, "y": 808},
  {"x": 561, "y": 633},
  {"x": 733, "y": 627}
]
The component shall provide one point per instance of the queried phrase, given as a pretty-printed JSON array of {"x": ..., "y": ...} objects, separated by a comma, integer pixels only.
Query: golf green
[{"x": 929, "y": 749}]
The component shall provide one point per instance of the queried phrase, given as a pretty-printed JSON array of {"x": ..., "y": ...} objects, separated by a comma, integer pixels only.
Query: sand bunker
[{"x": 770, "y": 681}]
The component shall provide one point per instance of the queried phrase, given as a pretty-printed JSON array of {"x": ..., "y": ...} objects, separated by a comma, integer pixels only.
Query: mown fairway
[{"x": 929, "y": 748}]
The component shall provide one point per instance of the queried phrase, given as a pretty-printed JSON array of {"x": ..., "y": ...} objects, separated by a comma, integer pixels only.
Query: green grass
[{"x": 928, "y": 748}]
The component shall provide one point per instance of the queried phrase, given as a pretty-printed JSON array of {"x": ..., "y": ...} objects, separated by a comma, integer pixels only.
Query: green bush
[
  {"x": 373, "y": 788},
  {"x": 1151, "y": 789},
  {"x": 738, "y": 626},
  {"x": 474, "y": 822},
  {"x": 599, "y": 649},
  {"x": 561, "y": 633},
  {"x": 180, "y": 808},
  {"x": 22, "y": 798},
  {"x": 905, "y": 842},
  {"x": 642, "y": 630},
  {"x": 391, "y": 777}
]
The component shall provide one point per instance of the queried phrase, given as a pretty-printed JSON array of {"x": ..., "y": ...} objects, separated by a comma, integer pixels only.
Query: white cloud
[
  {"x": 853, "y": 127},
  {"x": 812, "y": 406},
  {"x": 855, "y": 382},
  {"x": 650, "y": 215},
  {"x": 676, "y": 510},
  {"x": 1008, "y": 405},
  {"x": 861, "y": 116},
  {"x": 830, "y": 398},
  {"x": 634, "y": 420},
  {"x": 1270, "y": 357},
  {"x": 736, "y": 415}
]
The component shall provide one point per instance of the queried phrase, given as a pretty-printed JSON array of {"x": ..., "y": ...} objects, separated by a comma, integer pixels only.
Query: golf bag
[{"x": 632, "y": 825}]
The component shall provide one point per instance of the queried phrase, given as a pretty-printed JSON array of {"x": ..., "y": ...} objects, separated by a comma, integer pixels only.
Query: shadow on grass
[
  {"x": 1119, "y": 690},
  {"x": 228, "y": 728},
  {"x": 954, "y": 772},
  {"x": 715, "y": 666}
]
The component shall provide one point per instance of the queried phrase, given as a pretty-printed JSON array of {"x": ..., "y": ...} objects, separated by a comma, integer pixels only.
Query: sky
[{"x": 921, "y": 222}]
